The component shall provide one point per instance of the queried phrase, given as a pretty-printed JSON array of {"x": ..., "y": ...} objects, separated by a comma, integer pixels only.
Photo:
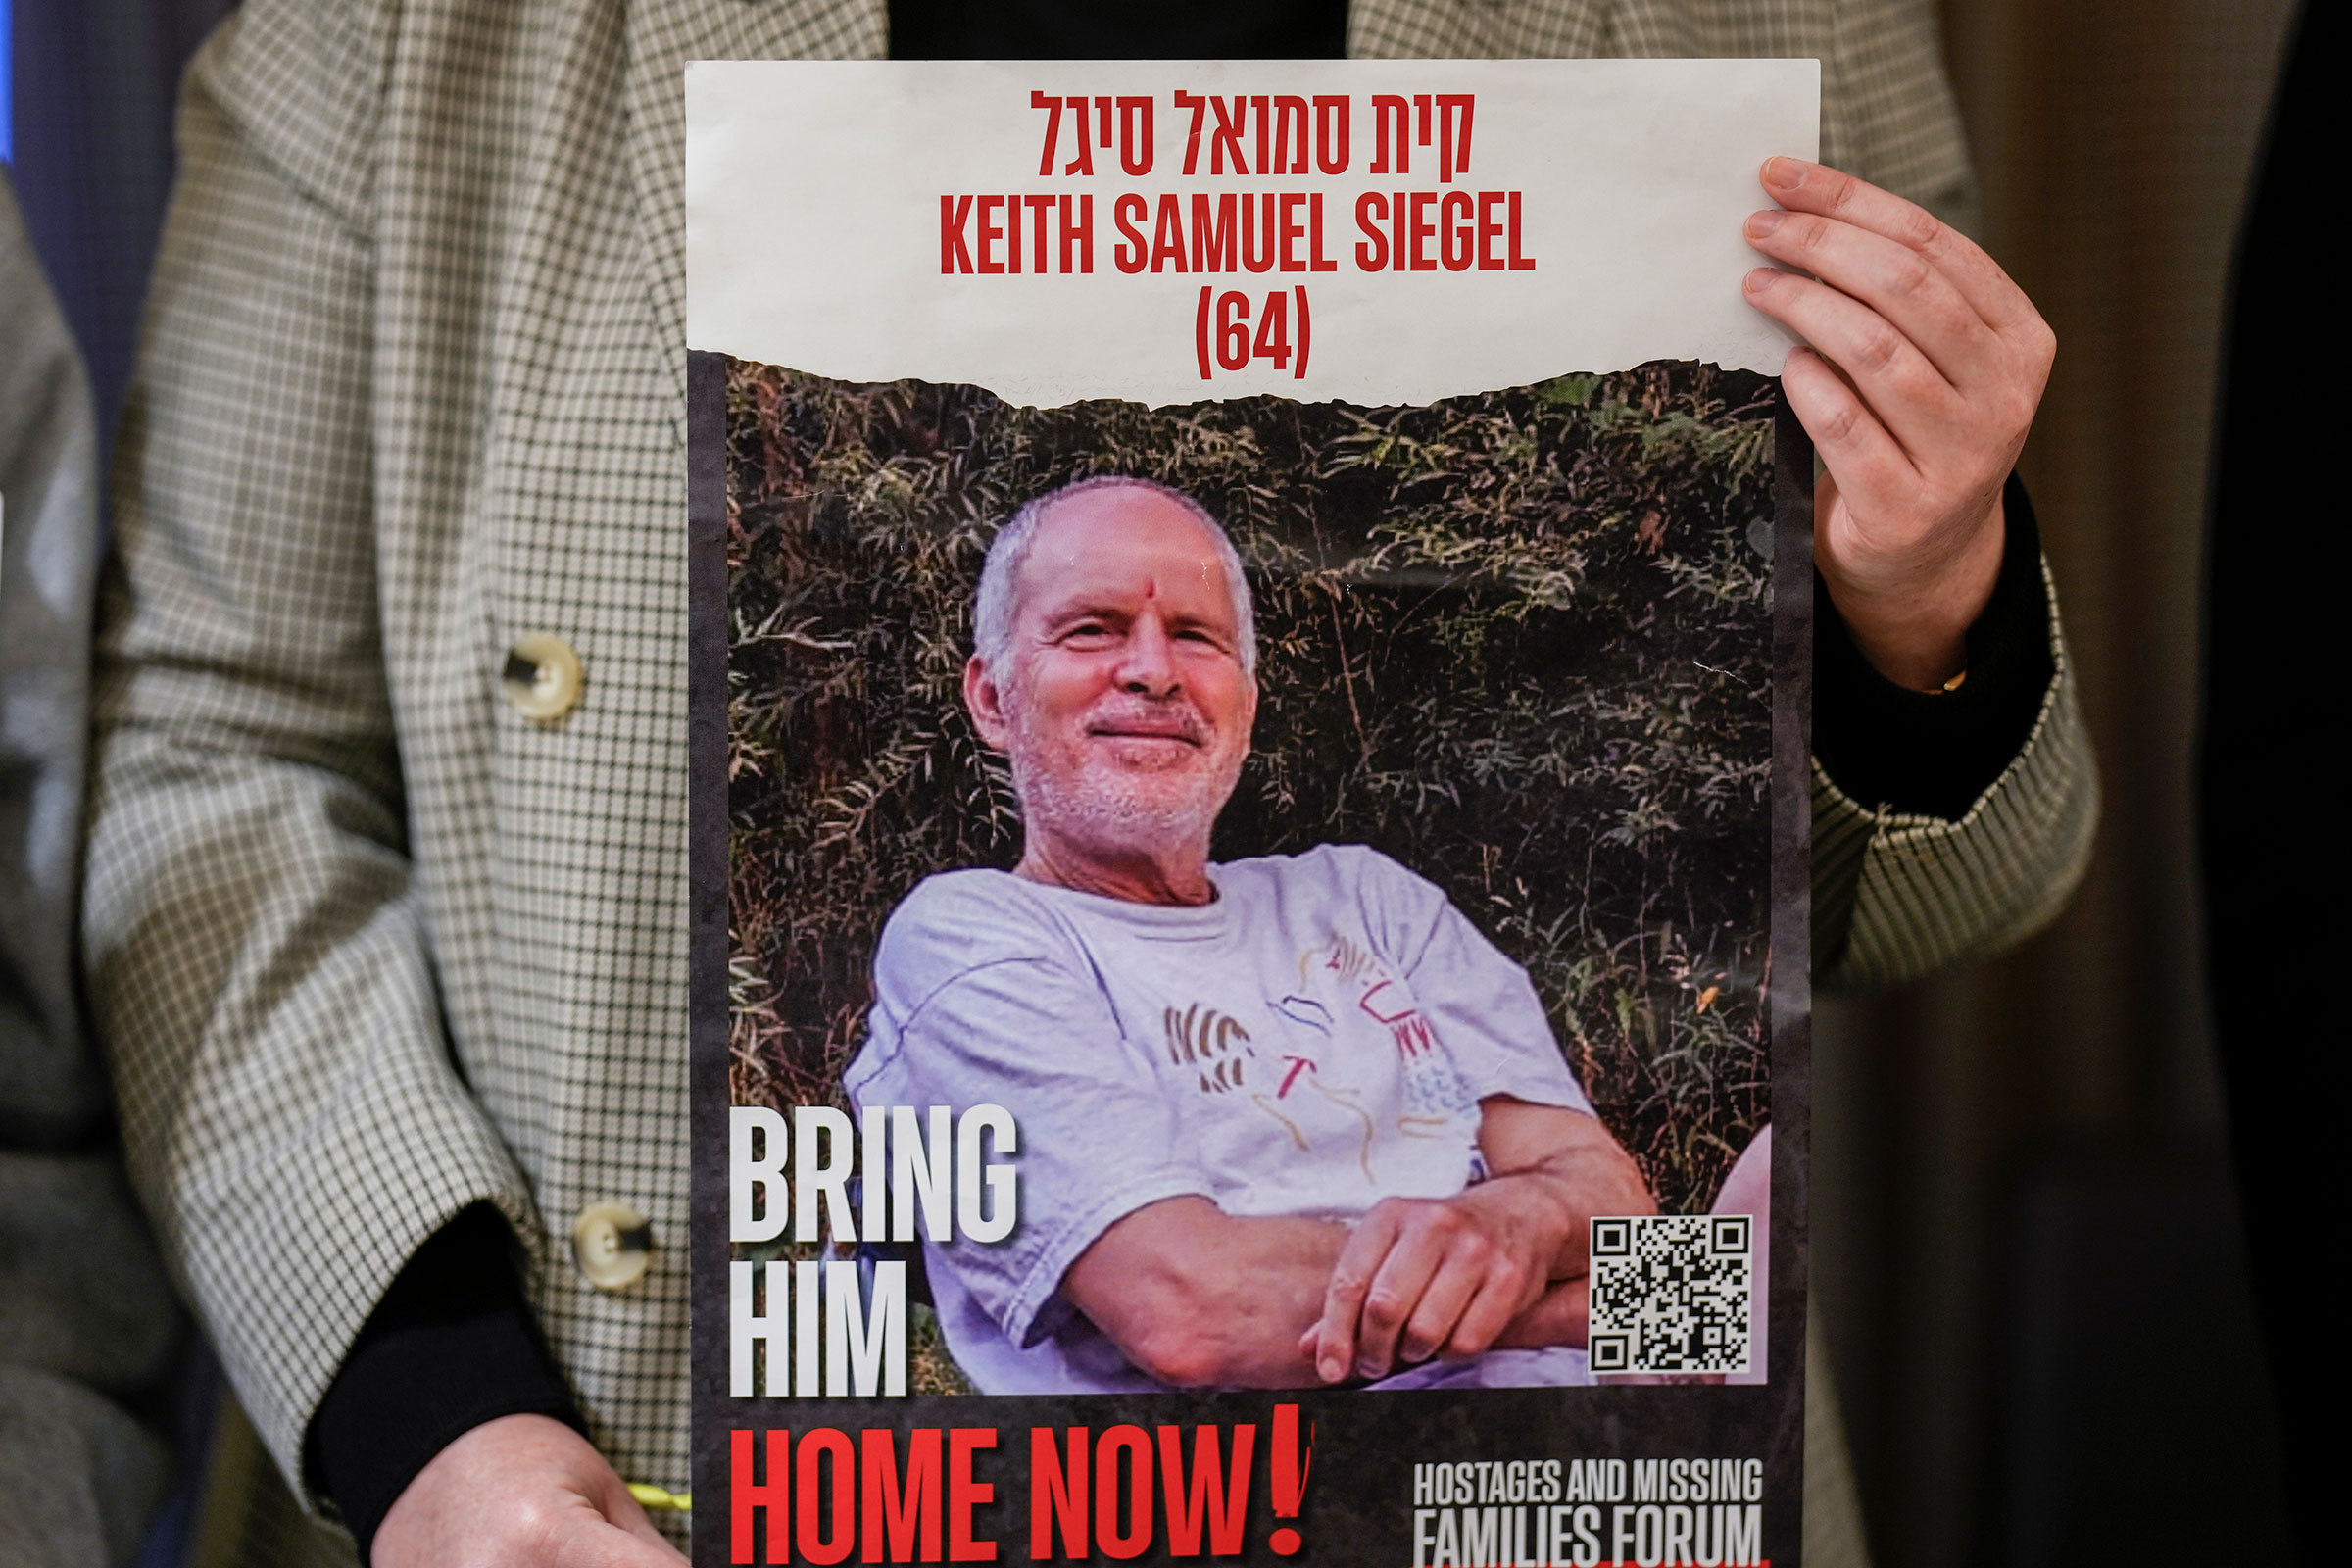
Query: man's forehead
[{"x": 1104, "y": 534}]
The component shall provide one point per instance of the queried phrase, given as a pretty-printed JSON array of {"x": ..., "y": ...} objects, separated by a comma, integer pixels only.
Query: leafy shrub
[{"x": 1518, "y": 641}]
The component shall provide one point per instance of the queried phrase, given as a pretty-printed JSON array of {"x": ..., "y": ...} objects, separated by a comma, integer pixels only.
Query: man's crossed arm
[{"x": 1198, "y": 1297}]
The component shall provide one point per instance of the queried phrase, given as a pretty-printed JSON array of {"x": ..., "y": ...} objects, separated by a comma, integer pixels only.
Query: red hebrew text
[{"x": 1450, "y": 112}]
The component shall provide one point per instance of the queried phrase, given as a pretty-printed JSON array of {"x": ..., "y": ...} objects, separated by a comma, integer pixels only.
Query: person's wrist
[
  {"x": 1912, "y": 625},
  {"x": 452, "y": 1346},
  {"x": 1537, "y": 1206},
  {"x": 466, "y": 1470},
  {"x": 1559, "y": 1316},
  {"x": 520, "y": 1488}
]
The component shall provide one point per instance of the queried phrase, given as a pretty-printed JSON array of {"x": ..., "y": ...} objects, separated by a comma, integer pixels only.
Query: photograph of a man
[{"x": 1283, "y": 1121}]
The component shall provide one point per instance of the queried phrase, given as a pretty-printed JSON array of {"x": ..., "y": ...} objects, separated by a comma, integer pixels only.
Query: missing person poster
[{"x": 1250, "y": 822}]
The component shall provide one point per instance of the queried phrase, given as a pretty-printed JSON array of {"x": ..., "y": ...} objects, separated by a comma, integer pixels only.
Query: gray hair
[{"x": 993, "y": 604}]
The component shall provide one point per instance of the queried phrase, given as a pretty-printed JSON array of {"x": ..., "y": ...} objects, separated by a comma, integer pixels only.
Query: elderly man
[{"x": 1285, "y": 1120}]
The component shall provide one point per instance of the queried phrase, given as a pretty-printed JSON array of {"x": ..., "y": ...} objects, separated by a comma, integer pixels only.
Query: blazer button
[
  {"x": 542, "y": 677},
  {"x": 612, "y": 1244}
]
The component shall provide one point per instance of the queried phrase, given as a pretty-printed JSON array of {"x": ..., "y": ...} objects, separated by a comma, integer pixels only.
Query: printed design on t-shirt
[
  {"x": 1306, "y": 1013},
  {"x": 1302, "y": 1074},
  {"x": 1434, "y": 1096},
  {"x": 1205, "y": 1038},
  {"x": 1340, "y": 957},
  {"x": 1347, "y": 1100},
  {"x": 1265, "y": 1102}
]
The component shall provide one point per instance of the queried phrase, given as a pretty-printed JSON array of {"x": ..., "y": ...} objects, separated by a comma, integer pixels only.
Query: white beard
[{"x": 1118, "y": 812}]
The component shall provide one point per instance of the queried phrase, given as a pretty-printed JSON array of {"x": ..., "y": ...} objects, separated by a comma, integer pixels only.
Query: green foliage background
[{"x": 1518, "y": 641}]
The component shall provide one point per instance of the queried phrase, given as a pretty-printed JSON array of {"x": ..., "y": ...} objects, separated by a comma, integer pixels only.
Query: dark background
[
  {"x": 2024, "y": 1228},
  {"x": 2023, "y": 1222}
]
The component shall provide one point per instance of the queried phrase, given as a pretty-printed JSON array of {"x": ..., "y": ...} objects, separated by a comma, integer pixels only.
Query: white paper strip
[{"x": 1592, "y": 223}]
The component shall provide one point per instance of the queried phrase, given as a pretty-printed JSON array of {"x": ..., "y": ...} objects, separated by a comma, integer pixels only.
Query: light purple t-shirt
[{"x": 1315, "y": 1039}]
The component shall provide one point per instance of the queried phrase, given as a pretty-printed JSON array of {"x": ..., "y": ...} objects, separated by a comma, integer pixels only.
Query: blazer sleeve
[
  {"x": 1896, "y": 895},
  {"x": 254, "y": 927}
]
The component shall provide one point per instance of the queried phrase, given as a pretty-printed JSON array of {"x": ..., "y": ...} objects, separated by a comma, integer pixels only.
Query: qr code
[{"x": 1670, "y": 1292}]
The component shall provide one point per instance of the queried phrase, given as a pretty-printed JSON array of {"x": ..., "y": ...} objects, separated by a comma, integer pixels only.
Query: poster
[{"x": 1250, "y": 825}]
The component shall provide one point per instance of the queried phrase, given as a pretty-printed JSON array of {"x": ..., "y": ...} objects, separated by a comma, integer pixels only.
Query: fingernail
[
  {"x": 1370, "y": 1369},
  {"x": 1784, "y": 173},
  {"x": 1331, "y": 1369},
  {"x": 1759, "y": 279},
  {"x": 1760, "y": 224}
]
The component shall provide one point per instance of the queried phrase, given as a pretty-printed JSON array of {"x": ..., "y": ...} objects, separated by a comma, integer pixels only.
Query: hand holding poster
[{"x": 1248, "y": 704}]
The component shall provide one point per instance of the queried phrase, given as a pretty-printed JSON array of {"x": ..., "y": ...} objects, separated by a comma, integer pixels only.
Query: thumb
[
  {"x": 636, "y": 1524},
  {"x": 625, "y": 1513},
  {"x": 614, "y": 1546}
]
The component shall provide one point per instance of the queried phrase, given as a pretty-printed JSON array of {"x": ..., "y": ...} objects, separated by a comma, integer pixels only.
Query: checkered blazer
[{"x": 370, "y": 946}]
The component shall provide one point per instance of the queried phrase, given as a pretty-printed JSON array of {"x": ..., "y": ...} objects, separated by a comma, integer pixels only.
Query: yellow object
[{"x": 651, "y": 1497}]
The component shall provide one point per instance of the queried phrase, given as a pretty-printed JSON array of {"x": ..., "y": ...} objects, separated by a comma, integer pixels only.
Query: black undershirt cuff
[
  {"x": 452, "y": 1345},
  {"x": 1930, "y": 754}
]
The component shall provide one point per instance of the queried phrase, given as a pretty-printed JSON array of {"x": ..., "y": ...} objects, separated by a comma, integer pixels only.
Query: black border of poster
[
  {"x": 707, "y": 933},
  {"x": 1365, "y": 1445}
]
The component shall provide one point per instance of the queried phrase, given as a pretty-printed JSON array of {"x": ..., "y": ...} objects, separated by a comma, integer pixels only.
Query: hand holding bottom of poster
[{"x": 520, "y": 1490}]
